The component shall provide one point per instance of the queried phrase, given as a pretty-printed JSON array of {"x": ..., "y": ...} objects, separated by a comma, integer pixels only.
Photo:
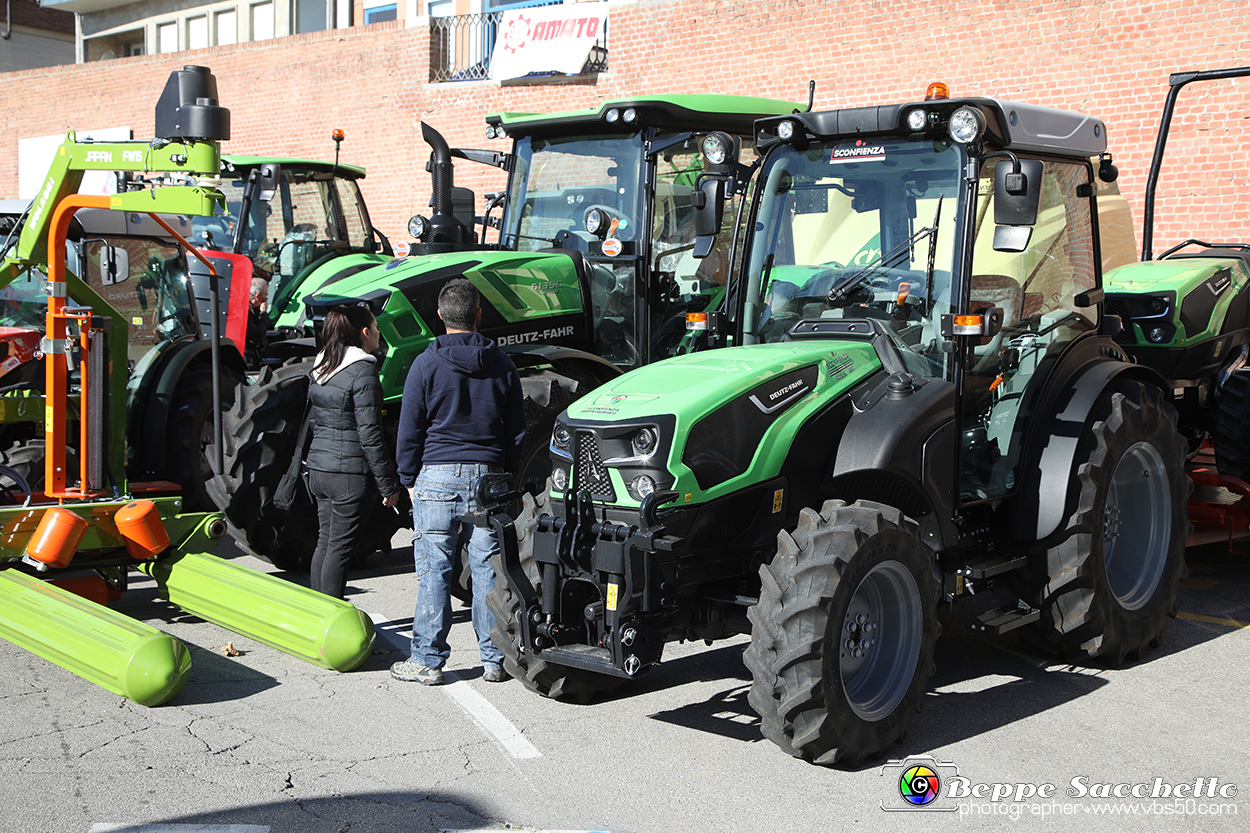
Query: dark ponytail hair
[{"x": 341, "y": 330}]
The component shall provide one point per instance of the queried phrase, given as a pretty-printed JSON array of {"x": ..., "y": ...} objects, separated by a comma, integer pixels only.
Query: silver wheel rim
[
  {"x": 1137, "y": 526},
  {"x": 879, "y": 640}
]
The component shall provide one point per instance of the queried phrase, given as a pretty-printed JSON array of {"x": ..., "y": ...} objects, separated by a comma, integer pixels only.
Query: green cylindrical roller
[
  {"x": 113, "y": 651},
  {"x": 304, "y": 623}
]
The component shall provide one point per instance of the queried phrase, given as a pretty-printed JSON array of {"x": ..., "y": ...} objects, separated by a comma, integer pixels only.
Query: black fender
[
  {"x": 900, "y": 449},
  {"x": 149, "y": 404},
  {"x": 1049, "y": 449},
  {"x": 565, "y": 359}
]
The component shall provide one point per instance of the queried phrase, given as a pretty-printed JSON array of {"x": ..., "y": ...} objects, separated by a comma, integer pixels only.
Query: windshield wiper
[{"x": 884, "y": 261}]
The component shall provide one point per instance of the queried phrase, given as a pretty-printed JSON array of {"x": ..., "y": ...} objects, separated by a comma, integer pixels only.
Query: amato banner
[{"x": 546, "y": 39}]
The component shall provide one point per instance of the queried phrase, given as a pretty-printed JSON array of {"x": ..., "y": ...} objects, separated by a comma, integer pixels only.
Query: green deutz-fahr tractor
[
  {"x": 1186, "y": 314},
  {"x": 593, "y": 273},
  {"x": 927, "y": 408}
]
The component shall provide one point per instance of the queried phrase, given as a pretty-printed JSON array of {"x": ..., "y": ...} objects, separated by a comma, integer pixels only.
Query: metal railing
[{"x": 461, "y": 46}]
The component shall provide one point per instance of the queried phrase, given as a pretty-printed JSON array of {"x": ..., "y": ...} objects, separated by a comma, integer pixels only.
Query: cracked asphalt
[{"x": 265, "y": 739}]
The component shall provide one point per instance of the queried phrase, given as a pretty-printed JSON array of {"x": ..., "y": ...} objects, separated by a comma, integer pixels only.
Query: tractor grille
[
  {"x": 591, "y": 473},
  {"x": 1118, "y": 306}
]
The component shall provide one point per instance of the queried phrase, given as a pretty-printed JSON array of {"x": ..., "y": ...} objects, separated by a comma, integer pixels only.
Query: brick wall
[{"x": 1110, "y": 58}]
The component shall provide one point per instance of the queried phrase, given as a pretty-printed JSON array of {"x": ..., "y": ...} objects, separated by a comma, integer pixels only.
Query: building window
[
  {"x": 226, "y": 28},
  {"x": 262, "y": 21},
  {"x": 166, "y": 37},
  {"x": 197, "y": 32},
  {"x": 312, "y": 15},
  {"x": 380, "y": 14},
  {"x": 132, "y": 49}
]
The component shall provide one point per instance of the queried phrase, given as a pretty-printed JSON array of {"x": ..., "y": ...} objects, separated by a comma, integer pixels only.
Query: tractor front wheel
[{"x": 843, "y": 635}]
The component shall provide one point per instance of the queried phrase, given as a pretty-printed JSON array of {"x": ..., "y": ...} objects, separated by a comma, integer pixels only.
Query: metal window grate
[{"x": 461, "y": 46}]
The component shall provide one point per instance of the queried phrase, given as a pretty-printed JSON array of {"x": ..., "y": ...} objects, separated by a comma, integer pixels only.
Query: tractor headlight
[
  {"x": 612, "y": 116},
  {"x": 644, "y": 441},
  {"x": 717, "y": 148},
  {"x": 917, "y": 119},
  {"x": 418, "y": 227},
  {"x": 630, "y": 115},
  {"x": 560, "y": 436},
  {"x": 490, "y": 131},
  {"x": 785, "y": 130},
  {"x": 559, "y": 479},
  {"x": 966, "y": 125},
  {"x": 1157, "y": 335},
  {"x": 597, "y": 222},
  {"x": 641, "y": 486}
]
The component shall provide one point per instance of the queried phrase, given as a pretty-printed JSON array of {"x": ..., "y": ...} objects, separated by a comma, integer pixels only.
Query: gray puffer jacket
[{"x": 347, "y": 421}]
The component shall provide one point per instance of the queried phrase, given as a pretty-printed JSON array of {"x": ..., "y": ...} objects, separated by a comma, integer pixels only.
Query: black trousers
[{"x": 342, "y": 501}]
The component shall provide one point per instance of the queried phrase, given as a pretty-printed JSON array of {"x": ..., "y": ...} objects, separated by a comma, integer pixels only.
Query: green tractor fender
[
  {"x": 151, "y": 401},
  {"x": 1062, "y": 412}
]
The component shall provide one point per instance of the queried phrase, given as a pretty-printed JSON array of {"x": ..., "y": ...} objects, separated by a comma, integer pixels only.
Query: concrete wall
[{"x": 1110, "y": 58}]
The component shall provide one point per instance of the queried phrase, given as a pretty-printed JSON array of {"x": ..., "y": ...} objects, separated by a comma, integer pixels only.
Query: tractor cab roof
[
  {"x": 233, "y": 162},
  {"x": 735, "y": 113},
  {"x": 1003, "y": 124}
]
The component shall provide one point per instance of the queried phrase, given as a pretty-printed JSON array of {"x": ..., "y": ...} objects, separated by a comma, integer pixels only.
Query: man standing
[
  {"x": 257, "y": 324},
  {"x": 463, "y": 416}
]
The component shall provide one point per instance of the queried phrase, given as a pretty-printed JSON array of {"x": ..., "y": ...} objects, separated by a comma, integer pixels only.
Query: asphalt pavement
[{"x": 263, "y": 742}]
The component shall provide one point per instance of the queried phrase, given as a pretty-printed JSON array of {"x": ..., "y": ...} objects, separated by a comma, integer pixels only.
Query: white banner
[{"x": 546, "y": 39}]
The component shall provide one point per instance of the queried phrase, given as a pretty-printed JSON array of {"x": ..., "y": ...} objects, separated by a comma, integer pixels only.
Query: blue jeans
[{"x": 444, "y": 492}]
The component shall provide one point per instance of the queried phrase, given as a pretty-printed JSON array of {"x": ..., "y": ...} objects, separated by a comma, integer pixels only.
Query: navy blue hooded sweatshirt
[{"x": 462, "y": 404}]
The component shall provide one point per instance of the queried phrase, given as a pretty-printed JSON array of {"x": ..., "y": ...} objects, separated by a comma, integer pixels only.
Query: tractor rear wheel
[
  {"x": 548, "y": 679},
  {"x": 843, "y": 634},
  {"x": 189, "y": 435},
  {"x": 1108, "y": 584},
  {"x": 1231, "y": 434},
  {"x": 259, "y": 435}
]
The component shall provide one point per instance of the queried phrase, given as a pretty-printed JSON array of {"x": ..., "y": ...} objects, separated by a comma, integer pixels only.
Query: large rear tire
[
  {"x": 1231, "y": 433},
  {"x": 259, "y": 435},
  {"x": 548, "y": 679},
  {"x": 189, "y": 435},
  {"x": 1108, "y": 584},
  {"x": 843, "y": 634}
]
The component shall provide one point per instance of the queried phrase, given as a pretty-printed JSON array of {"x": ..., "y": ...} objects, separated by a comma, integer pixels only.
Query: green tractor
[
  {"x": 1186, "y": 314},
  {"x": 926, "y": 408},
  {"x": 593, "y": 272}
]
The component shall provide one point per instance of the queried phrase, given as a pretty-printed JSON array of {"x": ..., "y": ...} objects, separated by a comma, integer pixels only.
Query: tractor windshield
[
  {"x": 312, "y": 214},
  {"x": 557, "y": 182},
  {"x": 857, "y": 229}
]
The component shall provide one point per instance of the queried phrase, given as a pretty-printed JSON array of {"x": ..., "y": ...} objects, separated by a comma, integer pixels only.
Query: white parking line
[{"x": 478, "y": 707}]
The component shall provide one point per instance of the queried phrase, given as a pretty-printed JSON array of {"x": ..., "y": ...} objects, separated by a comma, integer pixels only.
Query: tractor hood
[
  {"x": 1177, "y": 301},
  {"x": 527, "y": 298},
  {"x": 720, "y": 419}
]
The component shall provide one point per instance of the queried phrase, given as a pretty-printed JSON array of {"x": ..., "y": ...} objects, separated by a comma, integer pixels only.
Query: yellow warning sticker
[
  {"x": 612, "y": 596},
  {"x": 688, "y": 496},
  {"x": 137, "y": 321},
  {"x": 777, "y": 500}
]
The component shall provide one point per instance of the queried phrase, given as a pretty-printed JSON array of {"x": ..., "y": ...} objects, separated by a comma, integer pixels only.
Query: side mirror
[
  {"x": 1017, "y": 195},
  {"x": 270, "y": 174},
  {"x": 114, "y": 265},
  {"x": 708, "y": 201}
]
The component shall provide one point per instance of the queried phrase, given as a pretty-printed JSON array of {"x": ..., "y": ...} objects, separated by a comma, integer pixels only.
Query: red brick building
[{"x": 1110, "y": 58}]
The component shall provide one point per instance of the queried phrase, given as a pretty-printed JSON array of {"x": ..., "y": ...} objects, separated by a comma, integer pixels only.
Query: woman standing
[{"x": 348, "y": 446}]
